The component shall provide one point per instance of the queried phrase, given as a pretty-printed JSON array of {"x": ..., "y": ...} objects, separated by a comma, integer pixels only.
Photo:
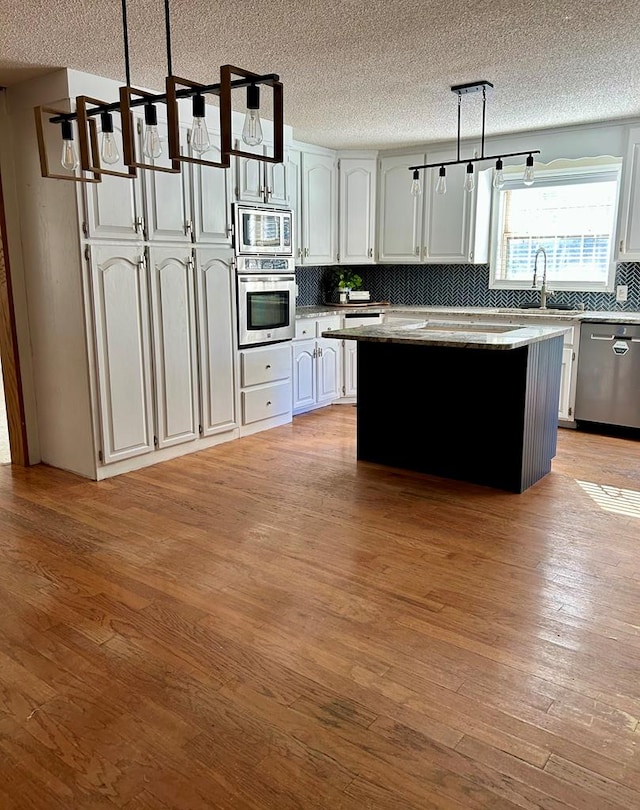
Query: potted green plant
[{"x": 345, "y": 280}]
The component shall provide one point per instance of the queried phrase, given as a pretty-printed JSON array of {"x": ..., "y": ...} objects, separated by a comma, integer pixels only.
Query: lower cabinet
[
  {"x": 164, "y": 346},
  {"x": 566, "y": 406},
  {"x": 265, "y": 387},
  {"x": 317, "y": 364}
]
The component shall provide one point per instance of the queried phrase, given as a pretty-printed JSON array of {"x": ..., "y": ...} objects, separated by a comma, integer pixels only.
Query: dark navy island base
[{"x": 484, "y": 416}]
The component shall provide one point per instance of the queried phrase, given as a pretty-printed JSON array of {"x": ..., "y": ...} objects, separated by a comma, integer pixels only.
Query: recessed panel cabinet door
[
  {"x": 174, "y": 345},
  {"x": 357, "y": 210},
  {"x": 399, "y": 212},
  {"x": 167, "y": 195},
  {"x": 250, "y": 185},
  {"x": 277, "y": 181},
  {"x": 304, "y": 374},
  {"x": 114, "y": 206},
  {"x": 447, "y": 217},
  {"x": 350, "y": 368},
  {"x": 294, "y": 175},
  {"x": 319, "y": 209},
  {"x": 123, "y": 357},
  {"x": 328, "y": 370},
  {"x": 212, "y": 198},
  {"x": 217, "y": 323},
  {"x": 628, "y": 247}
]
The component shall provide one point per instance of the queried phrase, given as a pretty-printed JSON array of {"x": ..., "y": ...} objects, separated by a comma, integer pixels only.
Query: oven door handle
[{"x": 262, "y": 277}]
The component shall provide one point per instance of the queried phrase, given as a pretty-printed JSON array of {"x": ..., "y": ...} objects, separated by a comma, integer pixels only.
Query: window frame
[{"x": 577, "y": 172}]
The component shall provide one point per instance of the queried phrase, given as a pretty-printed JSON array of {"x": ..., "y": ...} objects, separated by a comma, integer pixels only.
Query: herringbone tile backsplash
[{"x": 457, "y": 285}]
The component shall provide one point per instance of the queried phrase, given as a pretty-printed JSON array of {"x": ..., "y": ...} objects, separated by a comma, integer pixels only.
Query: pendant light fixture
[
  {"x": 97, "y": 155},
  {"x": 469, "y": 181}
]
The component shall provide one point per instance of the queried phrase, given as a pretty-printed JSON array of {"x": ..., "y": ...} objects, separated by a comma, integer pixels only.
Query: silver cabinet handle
[
  {"x": 306, "y": 253},
  {"x": 319, "y": 351},
  {"x": 622, "y": 246},
  {"x": 139, "y": 225},
  {"x": 188, "y": 228},
  {"x": 417, "y": 251},
  {"x": 370, "y": 253},
  {"x": 268, "y": 193}
]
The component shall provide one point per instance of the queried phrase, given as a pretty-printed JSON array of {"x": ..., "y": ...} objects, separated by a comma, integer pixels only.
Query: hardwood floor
[{"x": 268, "y": 624}]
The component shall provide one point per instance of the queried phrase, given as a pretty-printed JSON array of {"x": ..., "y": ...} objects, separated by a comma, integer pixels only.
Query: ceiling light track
[
  {"x": 92, "y": 159},
  {"x": 469, "y": 183}
]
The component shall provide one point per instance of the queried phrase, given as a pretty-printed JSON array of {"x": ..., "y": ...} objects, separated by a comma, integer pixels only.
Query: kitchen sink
[{"x": 532, "y": 310}]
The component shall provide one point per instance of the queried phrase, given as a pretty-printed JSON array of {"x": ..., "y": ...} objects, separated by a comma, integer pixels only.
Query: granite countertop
[
  {"x": 461, "y": 335},
  {"x": 522, "y": 315}
]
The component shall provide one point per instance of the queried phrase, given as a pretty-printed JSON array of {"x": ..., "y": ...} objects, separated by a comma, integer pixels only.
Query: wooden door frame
[{"x": 9, "y": 355}]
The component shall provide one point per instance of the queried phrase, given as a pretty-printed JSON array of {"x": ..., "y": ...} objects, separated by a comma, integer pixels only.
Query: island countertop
[{"x": 463, "y": 335}]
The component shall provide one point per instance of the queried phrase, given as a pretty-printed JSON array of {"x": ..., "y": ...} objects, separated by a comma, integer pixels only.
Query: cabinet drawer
[
  {"x": 266, "y": 401},
  {"x": 328, "y": 325},
  {"x": 265, "y": 365},
  {"x": 305, "y": 328}
]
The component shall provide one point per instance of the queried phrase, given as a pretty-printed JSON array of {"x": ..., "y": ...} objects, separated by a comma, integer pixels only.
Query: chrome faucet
[{"x": 543, "y": 289}]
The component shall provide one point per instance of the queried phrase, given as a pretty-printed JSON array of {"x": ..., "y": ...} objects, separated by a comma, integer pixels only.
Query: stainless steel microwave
[{"x": 263, "y": 231}]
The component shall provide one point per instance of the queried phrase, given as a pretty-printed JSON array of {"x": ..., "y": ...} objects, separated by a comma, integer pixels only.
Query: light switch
[{"x": 622, "y": 292}]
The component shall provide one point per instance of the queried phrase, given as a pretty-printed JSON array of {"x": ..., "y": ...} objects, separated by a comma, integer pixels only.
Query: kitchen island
[{"x": 477, "y": 403}]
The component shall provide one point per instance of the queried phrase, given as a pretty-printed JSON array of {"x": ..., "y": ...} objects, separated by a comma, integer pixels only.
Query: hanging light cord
[
  {"x": 484, "y": 116},
  {"x": 167, "y": 28},
  {"x": 125, "y": 39}
]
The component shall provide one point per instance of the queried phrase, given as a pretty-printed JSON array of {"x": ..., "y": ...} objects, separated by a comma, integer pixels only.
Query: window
[{"x": 571, "y": 213}]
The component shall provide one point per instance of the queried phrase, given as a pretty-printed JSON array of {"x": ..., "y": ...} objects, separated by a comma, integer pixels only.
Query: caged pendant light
[
  {"x": 469, "y": 183},
  {"x": 98, "y": 154}
]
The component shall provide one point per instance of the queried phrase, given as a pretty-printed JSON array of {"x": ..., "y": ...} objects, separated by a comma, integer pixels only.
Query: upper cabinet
[
  {"x": 260, "y": 182},
  {"x": 628, "y": 247},
  {"x": 450, "y": 228},
  {"x": 356, "y": 225},
  {"x": 456, "y": 224},
  {"x": 114, "y": 207},
  {"x": 211, "y": 198},
  {"x": 399, "y": 212},
  {"x": 167, "y": 196},
  {"x": 294, "y": 193},
  {"x": 319, "y": 204}
]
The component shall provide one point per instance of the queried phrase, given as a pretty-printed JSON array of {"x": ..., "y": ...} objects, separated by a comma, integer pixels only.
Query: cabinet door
[
  {"x": 565, "y": 383},
  {"x": 174, "y": 344},
  {"x": 123, "y": 357},
  {"x": 399, "y": 212},
  {"x": 350, "y": 375},
  {"x": 294, "y": 181},
  {"x": 304, "y": 374},
  {"x": 216, "y": 322},
  {"x": 250, "y": 176},
  {"x": 319, "y": 209},
  {"x": 329, "y": 368},
  {"x": 211, "y": 195},
  {"x": 447, "y": 217},
  {"x": 167, "y": 196},
  {"x": 277, "y": 187},
  {"x": 629, "y": 226},
  {"x": 114, "y": 206},
  {"x": 357, "y": 210}
]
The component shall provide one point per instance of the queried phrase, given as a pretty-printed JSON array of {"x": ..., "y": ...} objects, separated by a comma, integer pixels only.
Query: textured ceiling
[{"x": 360, "y": 73}]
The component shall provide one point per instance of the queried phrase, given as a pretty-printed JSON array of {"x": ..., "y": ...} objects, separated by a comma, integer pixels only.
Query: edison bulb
[
  {"x": 69, "y": 157},
  {"x": 152, "y": 146},
  {"x": 109, "y": 149},
  {"x": 200, "y": 136},
  {"x": 252, "y": 129}
]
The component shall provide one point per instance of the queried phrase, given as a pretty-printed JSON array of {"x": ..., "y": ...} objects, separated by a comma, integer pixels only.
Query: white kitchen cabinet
[
  {"x": 114, "y": 207},
  {"x": 216, "y": 324},
  {"x": 319, "y": 205},
  {"x": 456, "y": 224},
  {"x": 168, "y": 196},
  {"x": 211, "y": 198},
  {"x": 260, "y": 182},
  {"x": 399, "y": 212},
  {"x": 350, "y": 352},
  {"x": 628, "y": 247},
  {"x": 175, "y": 350},
  {"x": 565, "y": 410},
  {"x": 317, "y": 364},
  {"x": 123, "y": 356},
  {"x": 265, "y": 387},
  {"x": 357, "y": 202},
  {"x": 294, "y": 193},
  {"x": 304, "y": 375}
]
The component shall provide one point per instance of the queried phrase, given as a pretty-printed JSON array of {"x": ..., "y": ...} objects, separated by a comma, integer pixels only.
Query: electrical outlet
[{"x": 622, "y": 292}]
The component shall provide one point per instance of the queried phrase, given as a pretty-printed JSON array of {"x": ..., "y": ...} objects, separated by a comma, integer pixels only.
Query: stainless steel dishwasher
[{"x": 609, "y": 374}]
